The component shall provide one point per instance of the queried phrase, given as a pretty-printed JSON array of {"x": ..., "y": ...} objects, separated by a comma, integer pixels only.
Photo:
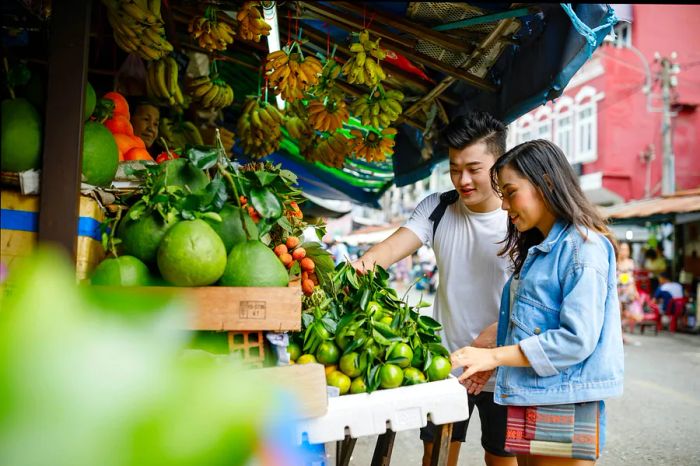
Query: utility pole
[{"x": 669, "y": 70}]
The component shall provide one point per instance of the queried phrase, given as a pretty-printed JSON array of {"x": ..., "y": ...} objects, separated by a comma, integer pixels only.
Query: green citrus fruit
[
  {"x": 358, "y": 385},
  {"x": 100, "y": 154},
  {"x": 121, "y": 271},
  {"x": 306, "y": 359},
  {"x": 390, "y": 376},
  {"x": 327, "y": 353},
  {"x": 340, "y": 380},
  {"x": 181, "y": 172},
  {"x": 404, "y": 352},
  {"x": 254, "y": 264},
  {"x": 141, "y": 238},
  {"x": 90, "y": 100},
  {"x": 21, "y": 136},
  {"x": 230, "y": 228},
  {"x": 374, "y": 351},
  {"x": 413, "y": 376},
  {"x": 439, "y": 369},
  {"x": 191, "y": 254},
  {"x": 351, "y": 365},
  {"x": 294, "y": 351}
]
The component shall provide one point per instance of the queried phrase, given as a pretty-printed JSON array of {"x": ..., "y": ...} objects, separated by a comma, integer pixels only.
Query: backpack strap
[{"x": 446, "y": 199}]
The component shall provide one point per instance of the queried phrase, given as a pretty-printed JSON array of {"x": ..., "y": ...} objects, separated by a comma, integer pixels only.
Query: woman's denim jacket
[{"x": 566, "y": 319}]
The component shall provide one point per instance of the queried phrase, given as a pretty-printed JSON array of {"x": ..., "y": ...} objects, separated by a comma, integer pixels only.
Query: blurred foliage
[{"x": 95, "y": 378}]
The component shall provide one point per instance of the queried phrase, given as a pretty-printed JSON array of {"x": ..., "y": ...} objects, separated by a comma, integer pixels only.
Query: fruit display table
[{"x": 386, "y": 412}]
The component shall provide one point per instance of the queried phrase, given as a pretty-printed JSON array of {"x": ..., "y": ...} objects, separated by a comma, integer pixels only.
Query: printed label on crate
[{"x": 253, "y": 310}]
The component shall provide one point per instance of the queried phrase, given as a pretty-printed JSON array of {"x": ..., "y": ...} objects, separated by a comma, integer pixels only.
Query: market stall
[{"x": 262, "y": 107}]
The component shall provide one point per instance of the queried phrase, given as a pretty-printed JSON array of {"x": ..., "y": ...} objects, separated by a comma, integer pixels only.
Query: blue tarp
[{"x": 552, "y": 45}]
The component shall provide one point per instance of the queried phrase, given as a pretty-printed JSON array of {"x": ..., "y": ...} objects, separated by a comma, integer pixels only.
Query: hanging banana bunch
[
  {"x": 210, "y": 94},
  {"x": 259, "y": 128},
  {"x": 162, "y": 82},
  {"x": 178, "y": 135},
  {"x": 251, "y": 25},
  {"x": 374, "y": 146},
  {"x": 326, "y": 86},
  {"x": 379, "y": 109},
  {"x": 210, "y": 33},
  {"x": 364, "y": 67},
  {"x": 327, "y": 114},
  {"x": 330, "y": 150},
  {"x": 290, "y": 74},
  {"x": 138, "y": 27}
]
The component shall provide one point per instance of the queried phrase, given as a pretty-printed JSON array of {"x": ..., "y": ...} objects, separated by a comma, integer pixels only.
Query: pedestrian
[
  {"x": 559, "y": 351},
  {"x": 464, "y": 227}
]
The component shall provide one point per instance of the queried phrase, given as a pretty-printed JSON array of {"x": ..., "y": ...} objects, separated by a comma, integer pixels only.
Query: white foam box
[{"x": 398, "y": 409}]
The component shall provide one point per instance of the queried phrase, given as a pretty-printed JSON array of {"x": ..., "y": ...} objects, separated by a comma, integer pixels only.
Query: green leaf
[
  {"x": 429, "y": 323},
  {"x": 351, "y": 276},
  {"x": 283, "y": 222},
  {"x": 428, "y": 360},
  {"x": 266, "y": 203},
  {"x": 307, "y": 319},
  {"x": 250, "y": 227},
  {"x": 213, "y": 216},
  {"x": 289, "y": 176},
  {"x": 203, "y": 157},
  {"x": 295, "y": 269},
  {"x": 265, "y": 178},
  {"x": 437, "y": 348},
  {"x": 187, "y": 215}
]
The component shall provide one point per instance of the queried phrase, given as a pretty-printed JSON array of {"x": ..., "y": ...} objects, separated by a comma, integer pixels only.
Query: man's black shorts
[{"x": 493, "y": 425}]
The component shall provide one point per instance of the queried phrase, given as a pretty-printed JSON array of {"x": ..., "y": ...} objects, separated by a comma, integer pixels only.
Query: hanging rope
[{"x": 583, "y": 29}]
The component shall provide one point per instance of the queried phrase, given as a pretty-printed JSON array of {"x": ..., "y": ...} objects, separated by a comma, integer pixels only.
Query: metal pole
[{"x": 668, "y": 180}]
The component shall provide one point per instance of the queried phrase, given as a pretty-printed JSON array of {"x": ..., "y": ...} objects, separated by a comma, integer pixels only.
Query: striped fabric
[{"x": 566, "y": 431}]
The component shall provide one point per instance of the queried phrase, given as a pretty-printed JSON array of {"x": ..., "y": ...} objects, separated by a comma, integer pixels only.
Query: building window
[
  {"x": 623, "y": 34},
  {"x": 525, "y": 129},
  {"x": 586, "y": 126},
  {"x": 543, "y": 123}
]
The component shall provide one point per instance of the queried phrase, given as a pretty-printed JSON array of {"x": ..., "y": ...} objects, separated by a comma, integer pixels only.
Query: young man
[{"x": 472, "y": 275}]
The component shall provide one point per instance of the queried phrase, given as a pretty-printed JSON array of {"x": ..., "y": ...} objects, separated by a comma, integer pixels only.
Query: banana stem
[{"x": 167, "y": 149}]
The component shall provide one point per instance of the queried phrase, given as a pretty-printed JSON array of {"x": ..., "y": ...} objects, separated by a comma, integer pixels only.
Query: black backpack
[{"x": 447, "y": 198}]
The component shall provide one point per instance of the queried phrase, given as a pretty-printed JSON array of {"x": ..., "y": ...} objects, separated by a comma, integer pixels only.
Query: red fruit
[
  {"x": 313, "y": 278},
  {"x": 286, "y": 258},
  {"x": 307, "y": 264},
  {"x": 292, "y": 242},
  {"x": 299, "y": 253},
  {"x": 163, "y": 156},
  {"x": 121, "y": 106},
  {"x": 119, "y": 124},
  {"x": 304, "y": 275},
  {"x": 291, "y": 264},
  {"x": 280, "y": 249},
  {"x": 307, "y": 286}
]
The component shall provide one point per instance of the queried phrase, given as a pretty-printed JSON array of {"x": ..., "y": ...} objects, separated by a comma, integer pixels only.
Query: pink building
[{"x": 608, "y": 126}]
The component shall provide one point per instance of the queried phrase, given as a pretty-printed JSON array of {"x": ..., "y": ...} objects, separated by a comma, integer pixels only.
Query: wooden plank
[
  {"x": 383, "y": 449},
  {"x": 404, "y": 25},
  {"x": 63, "y": 130},
  {"x": 306, "y": 382},
  {"x": 441, "y": 445},
  {"x": 344, "y": 451},
  {"x": 398, "y": 45}
]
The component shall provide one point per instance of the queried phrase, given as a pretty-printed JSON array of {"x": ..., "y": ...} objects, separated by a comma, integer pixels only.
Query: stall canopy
[
  {"x": 448, "y": 58},
  {"x": 680, "y": 207}
]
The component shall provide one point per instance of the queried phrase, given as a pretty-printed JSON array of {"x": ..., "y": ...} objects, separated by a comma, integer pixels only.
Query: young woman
[{"x": 559, "y": 351}]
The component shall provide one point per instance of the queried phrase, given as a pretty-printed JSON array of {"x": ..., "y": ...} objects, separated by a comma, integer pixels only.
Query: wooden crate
[
  {"x": 19, "y": 221},
  {"x": 236, "y": 309}
]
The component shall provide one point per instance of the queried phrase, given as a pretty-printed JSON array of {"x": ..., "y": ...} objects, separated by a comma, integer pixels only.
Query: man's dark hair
[
  {"x": 475, "y": 127},
  {"x": 665, "y": 275}
]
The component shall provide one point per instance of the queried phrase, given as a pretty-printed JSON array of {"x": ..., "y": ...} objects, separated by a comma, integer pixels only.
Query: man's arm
[{"x": 399, "y": 245}]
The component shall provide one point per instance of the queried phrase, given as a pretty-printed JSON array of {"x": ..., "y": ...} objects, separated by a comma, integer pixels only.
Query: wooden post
[
  {"x": 382, "y": 451},
  {"x": 441, "y": 445},
  {"x": 344, "y": 451},
  {"x": 63, "y": 130}
]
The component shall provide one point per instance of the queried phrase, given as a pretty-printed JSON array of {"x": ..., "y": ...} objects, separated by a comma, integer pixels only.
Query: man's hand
[
  {"x": 363, "y": 264},
  {"x": 476, "y": 383},
  {"x": 487, "y": 338}
]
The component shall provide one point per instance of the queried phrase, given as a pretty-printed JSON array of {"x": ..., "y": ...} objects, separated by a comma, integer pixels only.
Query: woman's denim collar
[{"x": 560, "y": 225}]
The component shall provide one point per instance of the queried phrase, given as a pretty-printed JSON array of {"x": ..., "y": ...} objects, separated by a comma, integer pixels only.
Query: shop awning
[
  {"x": 684, "y": 204},
  {"x": 527, "y": 53}
]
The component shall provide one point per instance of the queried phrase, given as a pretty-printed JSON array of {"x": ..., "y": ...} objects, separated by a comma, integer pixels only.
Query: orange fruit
[
  {"x": 306, "y": 359},
  {"x": 138, "y": 153},
  {"x": 121, "y": 106},
  {"x": 292, "y": 242},
  {"x": 125, "y": 143},
  {"x": 119, "y": 124}
]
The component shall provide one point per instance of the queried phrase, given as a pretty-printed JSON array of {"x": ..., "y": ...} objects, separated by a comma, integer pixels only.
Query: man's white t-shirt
[
  {"x": 472, "y": 275},
  {"x": 673, "y": 288}
]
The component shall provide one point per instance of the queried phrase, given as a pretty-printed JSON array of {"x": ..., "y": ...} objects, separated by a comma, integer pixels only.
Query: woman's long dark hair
[{"x": 545, "y": 166}]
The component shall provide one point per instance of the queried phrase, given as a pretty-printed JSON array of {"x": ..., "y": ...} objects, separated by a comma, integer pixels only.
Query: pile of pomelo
[{"x": 168, "y": 250}]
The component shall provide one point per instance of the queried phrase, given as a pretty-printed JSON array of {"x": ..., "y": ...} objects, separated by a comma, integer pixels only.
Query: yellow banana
[
  {"x": 173, "y": 73},
  {"x": 137, "y": 12},
  {"x": 202, "y": 89},
  {"x": 209, "y": 96},
  {"x": 154, "y": 7}
]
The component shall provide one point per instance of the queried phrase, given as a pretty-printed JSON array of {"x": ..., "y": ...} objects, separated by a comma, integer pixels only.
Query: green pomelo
[
  {"x": 181, "y": 172},
  {"x": 230, "y": 228},
  {"x": 141, "y": 238},
  {"x": 121, "y": 271},
  {"x": 254, "y": 264},
  {"x": 21, "y": 136},
  {"x": 90, "y": 100},
  {"x": 100, "y": 154},
  {"x": 191, "y": 254}
]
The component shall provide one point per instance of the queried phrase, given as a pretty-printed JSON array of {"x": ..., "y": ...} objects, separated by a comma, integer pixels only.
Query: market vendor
[{"x": 145, "y": 118}]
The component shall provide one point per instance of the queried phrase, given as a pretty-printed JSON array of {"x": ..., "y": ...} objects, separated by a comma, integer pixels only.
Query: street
[{"x": 655, "y": 422}]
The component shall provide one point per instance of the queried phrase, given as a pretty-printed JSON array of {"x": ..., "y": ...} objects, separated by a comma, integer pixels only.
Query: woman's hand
[{"x": 474, "y": 360}]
